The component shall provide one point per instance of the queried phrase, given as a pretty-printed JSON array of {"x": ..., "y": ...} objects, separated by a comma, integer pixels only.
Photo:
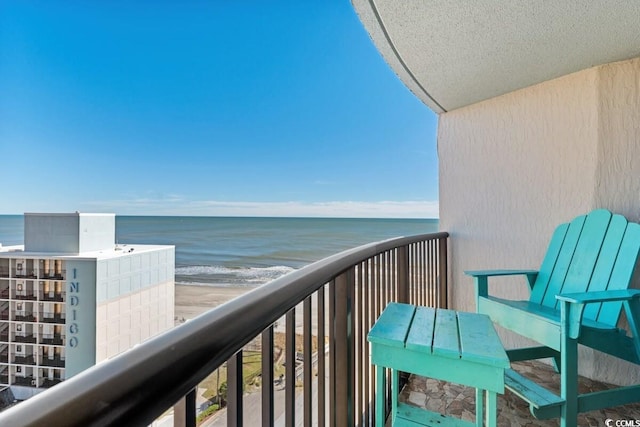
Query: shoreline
[{"x": 193, "y": 300}]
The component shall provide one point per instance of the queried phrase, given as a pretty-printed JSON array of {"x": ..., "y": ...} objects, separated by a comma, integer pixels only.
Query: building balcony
[
  {"x": 56, "y": 362},
  {"x": 23, "y": 360},
  {"x": 4, "y": 294},
  {"x": 52, "y": 339},
  {"x": 329, "y": 306},
  {"x": 29, "y": 381},
  {"x": 29, "y": 296},
  {"x": 52, "y": 296},
  {"x": 47, "y": 383},
  {"x": 53, "y": 318},
  {"x": 4, "y": 336},
  {"x": 50, "y": 275},
  {"x": 4, "y": 315},
  {"x": 24, "y": 338},
  {"x": 24, "y": 316},
  {"x": 4, "y": 356}
]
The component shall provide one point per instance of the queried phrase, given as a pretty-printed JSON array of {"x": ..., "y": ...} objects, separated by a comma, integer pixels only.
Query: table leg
[
  {"x": 395, "y": 393},
  {"x": 380, "y": 392},
  {"x": 492, "y": 409},
  {"x": 479, "y": 407}
]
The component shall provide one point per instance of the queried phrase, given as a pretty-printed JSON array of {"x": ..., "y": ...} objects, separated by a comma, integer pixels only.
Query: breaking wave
[{"x": 221, "y": 275}]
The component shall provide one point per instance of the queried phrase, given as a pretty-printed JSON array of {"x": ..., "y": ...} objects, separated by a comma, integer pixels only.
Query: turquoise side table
[{"x": 447, "y": 345}]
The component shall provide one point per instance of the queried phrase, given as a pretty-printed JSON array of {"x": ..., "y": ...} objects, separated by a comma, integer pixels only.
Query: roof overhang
[{"x": 455, "y": 53}]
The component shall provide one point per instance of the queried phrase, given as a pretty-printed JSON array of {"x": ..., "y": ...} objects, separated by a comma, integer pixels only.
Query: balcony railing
[
  {"x": 52, "y": 339},
  {"x": 53, "y": 317},
  {"x": 28, "y": 381},
  {"x": 51, "y": 275},
  {"x": 24, "y": 316},
  {"x": 52, "y": 296},
  {"x": 24, "y": 360},
  {"x": 28, "y": 295},
  {"x": 341, "y": 297},
  {"x": 56, "y": 362},
  {"x": 27, "y": 338}
]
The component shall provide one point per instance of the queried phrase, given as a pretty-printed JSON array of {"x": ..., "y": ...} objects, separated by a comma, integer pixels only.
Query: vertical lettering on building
[{"x": 74, "y": 302}]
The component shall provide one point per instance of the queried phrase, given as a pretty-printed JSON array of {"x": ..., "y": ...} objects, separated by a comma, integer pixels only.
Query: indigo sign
[{"x": 74, "y": 302}]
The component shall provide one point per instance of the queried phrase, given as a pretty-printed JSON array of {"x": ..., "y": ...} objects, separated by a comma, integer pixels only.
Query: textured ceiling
[{"x": 456, "y": 53}]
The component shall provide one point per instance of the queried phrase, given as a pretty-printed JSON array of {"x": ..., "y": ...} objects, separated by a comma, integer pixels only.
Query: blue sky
[{"x": 207, "y": 108}]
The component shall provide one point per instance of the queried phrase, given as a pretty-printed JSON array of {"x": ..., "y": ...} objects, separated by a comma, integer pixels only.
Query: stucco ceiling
[{"x": 455, "y": 53}]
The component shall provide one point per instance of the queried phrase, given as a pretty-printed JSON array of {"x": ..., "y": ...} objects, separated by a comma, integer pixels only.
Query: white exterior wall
[
  {"x": 135, "y": 300},
  {"x": 514, "y": 167}
]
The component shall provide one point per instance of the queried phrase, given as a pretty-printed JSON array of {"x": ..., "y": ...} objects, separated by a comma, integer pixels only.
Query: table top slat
[
  {"x": 445, "y": 336},
  {"x": 392, "y": 326},
  {"x": 479, "y": 341},
  {"x": 421, "y": 334}
]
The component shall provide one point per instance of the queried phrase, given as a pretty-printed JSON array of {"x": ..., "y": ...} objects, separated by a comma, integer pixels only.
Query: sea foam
[{"x": 235, "y": 275}]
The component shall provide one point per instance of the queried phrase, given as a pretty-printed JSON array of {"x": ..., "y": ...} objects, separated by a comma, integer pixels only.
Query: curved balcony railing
[{"x": 338, "y": 298}]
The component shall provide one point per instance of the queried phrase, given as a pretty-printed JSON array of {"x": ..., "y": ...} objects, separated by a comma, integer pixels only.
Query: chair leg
[
  {"x": 557, "y": 363},
  {"x": 569, "y": 382}
]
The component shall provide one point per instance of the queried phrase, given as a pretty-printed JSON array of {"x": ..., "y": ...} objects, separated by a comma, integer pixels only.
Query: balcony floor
[{"x": 459, "y": 401}]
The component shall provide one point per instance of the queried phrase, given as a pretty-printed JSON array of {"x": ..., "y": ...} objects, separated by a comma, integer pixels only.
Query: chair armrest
[
  {"x": 481, "y": 278},
  {"x": 491, "y": 273},
  {"x": 573, "y": 304},
  {"x": 600, "y": 296}
]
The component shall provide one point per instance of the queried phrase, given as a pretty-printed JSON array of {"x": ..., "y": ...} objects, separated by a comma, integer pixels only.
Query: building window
[
  {"x": 19, "y": 348},
  {"x": 19, "y": 306},
  {"x": 18, "y": 328},
  {"x": 19, "y": 286},
  {"x": 18, "y": 368},
  {"x": 19, "y": 266}
]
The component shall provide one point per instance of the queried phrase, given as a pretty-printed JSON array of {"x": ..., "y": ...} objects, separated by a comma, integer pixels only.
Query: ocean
[{"x": 242, "y": 251}]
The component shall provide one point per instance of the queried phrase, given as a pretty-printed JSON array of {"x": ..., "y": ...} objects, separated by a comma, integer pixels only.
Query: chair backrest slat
[
  {"x": 622, "y": 273},
  {"x": 586, "y": 253},
  {"x": 565, "y": 256},
  {"x": 548, "y": 263},
  {"x": 603, "y": 273}
]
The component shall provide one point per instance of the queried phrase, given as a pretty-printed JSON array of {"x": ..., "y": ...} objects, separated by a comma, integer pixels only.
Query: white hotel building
[{"x": 71, "y": 297}]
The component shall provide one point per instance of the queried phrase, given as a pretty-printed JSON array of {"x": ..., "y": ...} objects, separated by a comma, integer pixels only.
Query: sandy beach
[{"x": 193, "y": 300}]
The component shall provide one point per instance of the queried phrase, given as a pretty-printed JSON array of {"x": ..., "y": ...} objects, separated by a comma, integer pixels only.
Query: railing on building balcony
[
  {"x": 27, "y": 338},
  {"x": 28, "y": 295},
  {"x": 52, "y": 339},
  {"x": 47, "y": 382},
  {"x": 24, "y": 360},
  {"x": 340, "y": 298},
  {"x": 4, "y": 294},
  {"x": 50, "y": 275},
  {"x": 24, "y": 316},
  {"x": 53, "y": 317},
  {"x": 28, "y": 381},
  {"x": 56, "y": 362},
  {"x": 52, "y": 296}
]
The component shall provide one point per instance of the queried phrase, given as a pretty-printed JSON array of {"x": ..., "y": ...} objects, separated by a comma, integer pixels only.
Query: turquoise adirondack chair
[{"x": 577, "y": 297}]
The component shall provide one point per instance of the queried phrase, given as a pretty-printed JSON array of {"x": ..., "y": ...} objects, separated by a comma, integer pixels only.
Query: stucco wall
[{"x": 513, "y": 167}]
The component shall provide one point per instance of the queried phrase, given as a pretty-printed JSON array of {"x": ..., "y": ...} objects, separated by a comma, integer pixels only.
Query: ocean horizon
[{"x": 244, "y": 251}]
